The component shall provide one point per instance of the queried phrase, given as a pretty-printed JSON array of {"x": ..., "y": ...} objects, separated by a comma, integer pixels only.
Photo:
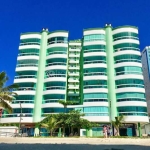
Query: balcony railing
[
  {"x": 94, "y": 86},
  {"x": 131, "y": 99},
  {"x": 94, "y": 50},
  {"x": 16, "y": 115},
  {"x": 126, "y": 48},
  {"x": 30, "y": 43},
  {"x": 23, "y": 101},
  {"x": 128, "y": 72},
  {"x": 97, "y": 114},
  {"x": 95, "y": 100},
  {"x": 57, "y": 52},
  {"x": 25, "y": 89},
  {"x": 27, "y": 65},
  {"x": 25, "y": 76},
  {"x": 132, "y": 114},
  {"x": 55, "y": 75},
  {"x": 55, "y": 42},
  {"x": 90, "y": 40},
  {"x": 95, "y": 62},
  {"x": 95, "y": 73},
  {"x": 57, "y": 63},
  {"x": 28, "y": 54},
  {"x": 50, "y": 101},
  {"x": 127, "y": 60},
  {"x": 130, "y": 85},
  {"x": 126, "y": 37},
  {"x": 55, "y": 88}
]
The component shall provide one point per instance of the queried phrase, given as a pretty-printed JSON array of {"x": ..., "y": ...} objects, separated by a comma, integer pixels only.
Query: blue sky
[{"x": 19, "y": 16}]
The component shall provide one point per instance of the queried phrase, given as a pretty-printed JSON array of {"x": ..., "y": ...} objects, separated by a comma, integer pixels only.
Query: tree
[
  {"x": 6, "y": 92},
  {"x": 70, "y": 120},
  {"x": 65, "y": 104},
  {"x": 50, "y": 124},
  {"x": 117, "y": 123}
]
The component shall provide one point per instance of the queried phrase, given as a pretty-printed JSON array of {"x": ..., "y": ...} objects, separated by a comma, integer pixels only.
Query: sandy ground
[{"x": 8, "y": 143}]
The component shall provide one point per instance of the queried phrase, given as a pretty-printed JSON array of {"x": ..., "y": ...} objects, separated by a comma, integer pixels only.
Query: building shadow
[{"x": 4, "y": 146}]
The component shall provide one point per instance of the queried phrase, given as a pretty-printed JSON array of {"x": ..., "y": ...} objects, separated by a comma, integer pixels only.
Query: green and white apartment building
[{"x": 102, "y": 72}]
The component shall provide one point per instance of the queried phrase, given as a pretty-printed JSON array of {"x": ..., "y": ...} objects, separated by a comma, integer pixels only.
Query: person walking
[
  {"x": 108, "y": 131},
  {"x": 105, "y": 131}
]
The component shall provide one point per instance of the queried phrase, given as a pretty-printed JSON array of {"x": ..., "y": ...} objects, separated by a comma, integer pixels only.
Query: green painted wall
[
  {"x": 40, "y": 78},
  {"x": 110, "y": 73},
  {"x": 67, "y": 77},
  {"x": 81, "y": 74}
]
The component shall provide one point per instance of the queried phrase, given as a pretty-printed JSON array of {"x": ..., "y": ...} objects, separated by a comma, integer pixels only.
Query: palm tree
[
  {"x": 51, "y": 124},
  {"x": 65, "y": 104},
  {"x": 117, "y": 123},
  {"x": 6, "y": 94}
]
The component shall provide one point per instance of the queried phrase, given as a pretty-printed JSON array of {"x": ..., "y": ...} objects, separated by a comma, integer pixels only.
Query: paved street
[{"x": 73, "y": 144}]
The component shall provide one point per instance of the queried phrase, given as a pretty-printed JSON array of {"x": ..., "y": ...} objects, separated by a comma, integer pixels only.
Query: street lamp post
[
  {"x": 20, "y": 116},
  {"x": 110, "y": 117}
]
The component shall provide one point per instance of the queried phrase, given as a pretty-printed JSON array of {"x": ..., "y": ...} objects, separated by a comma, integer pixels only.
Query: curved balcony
[
  {"x": 28, "y": 57},
  {"x": 15, "y": 118},
  {"x": 55, "y": 87},
  {"x": 97, "y": 117},
  {"x": 27, "y": 67},
  {"x": 126, "y": 41},
  {"x": 30, "y": 43},
  {"x": 126, "y": 49},
  {"x": 95, "y": 76},
  {"x": 131, "y": 89},
  {"x": 28, "y": 54},
  {"x": 88, "y": 54},
  {"x": 24, "y": 104},
  {"x": 129, "y": 52},
  {"x": 126, "y": 37},
  {"x": 55, "y": 42},
  {"x": 56, "y": 65},
  {"x": 125, "y": 29},
  {"x": 134, "y": 117},
  {"x": 129, "y": 99},
  {"x": 29, "y": 47},
  {"x": 95, "y": 89},
  {"x": 50, "y": 101},
  {"x": 98, "y": 42},
  {"x": 137, "y": 64},
  {"x": 57, "y": 54},
  {"x": 130, "y": 85},
  {"x": 94, "y": 86},
  {"x": 127, "y": 60},
  {"x": 129, "y": 75},
  {"x": 131, "y": 103},
  {"x": 95, "y": 63},
  {"x": 57, "y": 77},
  {"x": 93, "y": 50},
  {"x": 129, "y": 72},
  {"x": 25, "y": 78},
  {"x": 55, "y": 90},
  {"x": 25, "y": 91}
]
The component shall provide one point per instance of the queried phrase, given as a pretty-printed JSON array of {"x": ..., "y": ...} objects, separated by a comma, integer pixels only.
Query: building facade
[
  {"x": 146, "y": 73},
  {"x": 102, "y": 72}
]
